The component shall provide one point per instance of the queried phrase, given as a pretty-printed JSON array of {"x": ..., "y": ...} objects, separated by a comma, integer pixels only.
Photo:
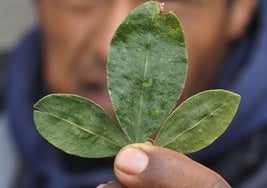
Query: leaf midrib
[
  {"x": 79, "y": 127},
  {"x": 197, "y": 124},
  {"x": 144, "y": 76}
]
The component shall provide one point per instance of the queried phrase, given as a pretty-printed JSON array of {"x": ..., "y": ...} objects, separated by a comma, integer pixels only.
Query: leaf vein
[
  {"x": 144, "y": 76},
  {"x": 197, "y": 124},
  {"x": 83, "y": 129}
]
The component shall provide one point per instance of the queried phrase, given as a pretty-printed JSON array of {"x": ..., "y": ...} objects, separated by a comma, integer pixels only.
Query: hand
[{"x": 144, "y": 165}]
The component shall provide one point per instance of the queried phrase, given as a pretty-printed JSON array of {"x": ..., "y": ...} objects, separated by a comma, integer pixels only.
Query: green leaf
[
  {"x": 198, "y": 121},
  {"x": 146, "y": 69},
  {"x": 146, "y": 73},
  {"x": 78, "y": 126}
]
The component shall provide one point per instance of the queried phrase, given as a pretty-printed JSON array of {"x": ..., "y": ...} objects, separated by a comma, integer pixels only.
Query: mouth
[
  {"x": 92, "y": 82},
  {"x": 98, "y": 93},
  {"x": 94, "y": 88}
]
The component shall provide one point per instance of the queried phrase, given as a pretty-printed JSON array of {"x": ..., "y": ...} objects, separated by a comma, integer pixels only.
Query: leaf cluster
[{"x": 146, "y": 73}]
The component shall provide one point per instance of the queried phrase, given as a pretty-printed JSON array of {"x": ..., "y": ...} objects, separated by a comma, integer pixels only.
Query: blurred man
[{"x": 225, "y": 41}]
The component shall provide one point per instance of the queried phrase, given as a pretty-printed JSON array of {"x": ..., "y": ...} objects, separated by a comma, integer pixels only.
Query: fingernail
[
  {"x": 132, "y": 161},
  {"x": 101, "y": 186}
]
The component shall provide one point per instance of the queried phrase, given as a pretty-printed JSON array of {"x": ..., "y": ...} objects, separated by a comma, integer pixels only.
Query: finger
[
  {"x": 142, "y": 165},
  {"x": 111, "y": 184}
]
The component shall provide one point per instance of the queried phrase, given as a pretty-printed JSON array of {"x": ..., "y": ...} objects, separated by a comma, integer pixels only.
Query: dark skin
[
  {"x": 145, "y": 165},
  {"x": 77, "y": 34}
]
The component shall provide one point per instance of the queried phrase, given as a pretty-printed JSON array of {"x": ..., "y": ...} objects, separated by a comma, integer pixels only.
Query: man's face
[{"x": 77, "y": 34}]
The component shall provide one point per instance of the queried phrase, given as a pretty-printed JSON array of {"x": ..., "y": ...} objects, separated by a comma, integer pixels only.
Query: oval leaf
[
  {"x": 146, "y": 69},
  {"x": 78, "y": 126},
  {"x": 198, "y": 121}
]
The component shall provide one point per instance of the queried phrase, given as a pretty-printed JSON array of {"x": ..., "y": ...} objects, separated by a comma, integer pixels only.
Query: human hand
[{"x": 145, "y": 165}]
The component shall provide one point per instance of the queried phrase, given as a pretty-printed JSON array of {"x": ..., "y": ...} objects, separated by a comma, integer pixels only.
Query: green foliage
[
  {"x": 146, "y": 72},
  {"x": 198, "y": 121},
  {"x": 146, "y": 69},
  {"x": 78, "y": 126}
]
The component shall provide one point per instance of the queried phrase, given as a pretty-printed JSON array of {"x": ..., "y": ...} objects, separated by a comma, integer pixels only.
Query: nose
[{"x": 113, "y": 17}]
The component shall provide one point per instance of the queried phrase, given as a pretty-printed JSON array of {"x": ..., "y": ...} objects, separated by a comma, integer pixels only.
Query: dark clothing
[
  {"x": 45, "y": 166},
  {"x": 239, "y": 155},
  {"x": 3, "y": 64},
  {"x": 233, "y": 155}
]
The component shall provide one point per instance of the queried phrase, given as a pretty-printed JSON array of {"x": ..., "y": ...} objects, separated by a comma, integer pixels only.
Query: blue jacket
[
  {"x": 234, "y": 155},
  {"x": 244, "y": 73},
  {"x": 44, "y": 165}
]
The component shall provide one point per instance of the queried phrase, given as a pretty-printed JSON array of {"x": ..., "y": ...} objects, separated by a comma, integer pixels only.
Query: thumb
[{"x": 143, "y": 165}]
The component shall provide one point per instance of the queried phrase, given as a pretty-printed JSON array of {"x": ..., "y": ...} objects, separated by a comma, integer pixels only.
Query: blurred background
[
  {"x": 16, "y": 17},
  {"x": 76, "y": 35}
]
